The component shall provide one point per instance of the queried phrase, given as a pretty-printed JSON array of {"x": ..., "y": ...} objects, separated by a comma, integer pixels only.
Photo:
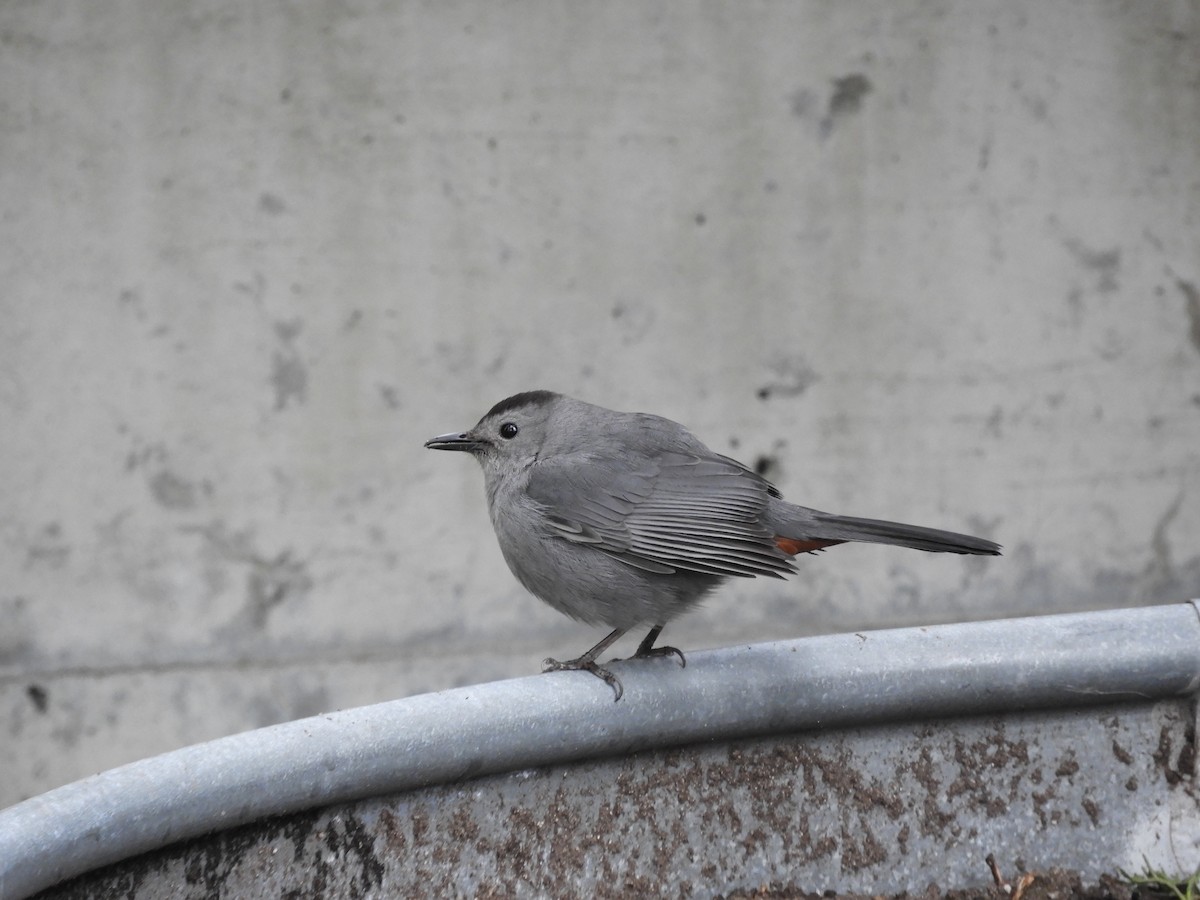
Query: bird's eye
[{"x": 508, "y": 431}]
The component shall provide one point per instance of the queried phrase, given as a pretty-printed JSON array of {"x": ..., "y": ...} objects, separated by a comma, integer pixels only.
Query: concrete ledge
[{"x": 840, "y": 681}]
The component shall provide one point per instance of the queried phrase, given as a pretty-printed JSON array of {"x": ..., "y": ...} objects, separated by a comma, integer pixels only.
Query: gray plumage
[{"x": 628, "y": 520}]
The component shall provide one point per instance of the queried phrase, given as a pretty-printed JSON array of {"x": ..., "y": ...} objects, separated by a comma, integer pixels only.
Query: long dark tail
[{"x": 830, "y": 527}]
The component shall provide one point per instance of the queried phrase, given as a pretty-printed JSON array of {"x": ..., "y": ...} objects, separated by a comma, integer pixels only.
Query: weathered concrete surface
[
  {"x": 868, "y": 810},
  {"x": 926, "y": 261}
]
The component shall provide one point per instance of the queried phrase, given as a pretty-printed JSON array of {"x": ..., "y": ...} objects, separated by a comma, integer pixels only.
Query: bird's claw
[
  {"x": 652, "y": 652},
  {"x": 584, "y": 664}
]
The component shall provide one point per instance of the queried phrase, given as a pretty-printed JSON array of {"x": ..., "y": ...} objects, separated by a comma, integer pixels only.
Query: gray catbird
[{"x": 627, "y": 519}]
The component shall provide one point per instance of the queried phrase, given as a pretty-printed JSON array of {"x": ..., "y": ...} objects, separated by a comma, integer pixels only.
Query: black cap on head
[{"x": 516, "y": 401}]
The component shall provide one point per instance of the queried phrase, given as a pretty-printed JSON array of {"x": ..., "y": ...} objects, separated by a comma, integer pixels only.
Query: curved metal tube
[{"x": 736, "y": 692}]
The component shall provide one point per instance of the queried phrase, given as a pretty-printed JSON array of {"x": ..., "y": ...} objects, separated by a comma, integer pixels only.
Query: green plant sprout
[{"x": 1158, "y": 882}]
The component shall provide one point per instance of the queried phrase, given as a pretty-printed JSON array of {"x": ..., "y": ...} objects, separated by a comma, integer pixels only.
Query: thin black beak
[{"x": 453, "y": 441}]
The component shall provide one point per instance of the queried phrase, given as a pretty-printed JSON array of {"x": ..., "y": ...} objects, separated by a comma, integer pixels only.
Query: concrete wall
[{"x": 933, "y": 262}]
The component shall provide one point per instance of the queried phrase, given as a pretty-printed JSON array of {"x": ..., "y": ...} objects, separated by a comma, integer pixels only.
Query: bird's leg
[
  {"x": 587, "y": 663},
  {"x": 647, "y": 649}
]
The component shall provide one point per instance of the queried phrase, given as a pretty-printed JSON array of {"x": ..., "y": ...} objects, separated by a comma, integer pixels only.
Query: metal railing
[{"x": 737, "y": 692}]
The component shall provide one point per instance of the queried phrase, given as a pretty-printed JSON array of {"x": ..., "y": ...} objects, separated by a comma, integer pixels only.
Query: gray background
[{"x": 933, "y": 262}]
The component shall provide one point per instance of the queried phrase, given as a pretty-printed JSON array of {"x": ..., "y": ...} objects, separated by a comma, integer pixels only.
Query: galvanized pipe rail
[{"x": 738, "y": 692}]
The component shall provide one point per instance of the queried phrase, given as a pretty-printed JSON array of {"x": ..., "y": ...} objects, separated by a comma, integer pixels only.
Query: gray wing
[{"x": 666, "y": 513}]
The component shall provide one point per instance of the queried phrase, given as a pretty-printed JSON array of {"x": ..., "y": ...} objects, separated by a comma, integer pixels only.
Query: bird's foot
[
  {"x": 647, "y": 650},
  {"x": 586, "y": 663},
  {"x": 652, "y": 652}
]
